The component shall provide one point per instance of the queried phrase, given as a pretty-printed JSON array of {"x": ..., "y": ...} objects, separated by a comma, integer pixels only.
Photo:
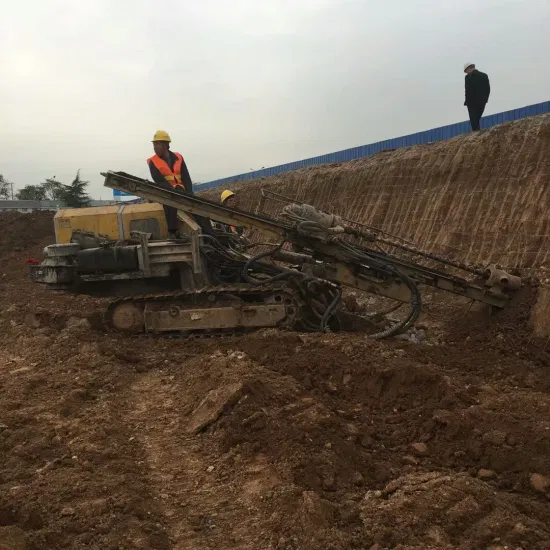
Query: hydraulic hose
[
  {"x": 334, "y": 294},
  {"x": 325, "y": 312},
  {"x": 414, "y": 312},
  {"x": 415, "y": 302}
]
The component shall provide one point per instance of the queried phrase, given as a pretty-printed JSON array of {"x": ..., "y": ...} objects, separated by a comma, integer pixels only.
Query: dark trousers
[
  {"x": 172, "y": 221},
  {"x": 171, "y": 215},
  {"x": 475, "y": 112}
]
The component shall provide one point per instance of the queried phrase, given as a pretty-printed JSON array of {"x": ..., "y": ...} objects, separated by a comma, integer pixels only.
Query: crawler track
[{"x": 240, "y": 308}]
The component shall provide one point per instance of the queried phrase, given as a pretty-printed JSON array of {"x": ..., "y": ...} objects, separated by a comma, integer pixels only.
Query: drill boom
[{"x": 360, "y": 268}]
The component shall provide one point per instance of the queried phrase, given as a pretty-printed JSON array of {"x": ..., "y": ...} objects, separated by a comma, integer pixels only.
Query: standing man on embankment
[{"x": 477, "y": 90}]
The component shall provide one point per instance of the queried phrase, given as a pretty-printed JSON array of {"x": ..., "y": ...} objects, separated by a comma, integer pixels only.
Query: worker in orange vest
[{"x": 169, "y": 168}]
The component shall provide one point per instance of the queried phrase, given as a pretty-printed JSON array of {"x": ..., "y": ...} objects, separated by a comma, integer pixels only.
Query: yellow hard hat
[
  {"x": 161, "y": 135},
  {"x": 226, "y": 194}
]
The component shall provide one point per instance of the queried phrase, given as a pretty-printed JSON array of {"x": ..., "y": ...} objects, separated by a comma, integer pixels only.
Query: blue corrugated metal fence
[{"x": 428, "y": 136}]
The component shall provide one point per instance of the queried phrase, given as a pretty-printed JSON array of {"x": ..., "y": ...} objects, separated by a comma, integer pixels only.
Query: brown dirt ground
[{"x": 274, "y": 440}]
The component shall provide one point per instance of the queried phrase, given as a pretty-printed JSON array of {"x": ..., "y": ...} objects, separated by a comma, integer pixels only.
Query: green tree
[
  {"x": 5, "y": 188},
  {"x": 74, "y": 195},
  {"x": 53, "y": 189},
  {"x": 50, "y": 189},
  {"x": 31, "y": 193}
]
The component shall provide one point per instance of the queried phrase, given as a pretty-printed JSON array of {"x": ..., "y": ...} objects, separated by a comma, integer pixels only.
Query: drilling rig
[{"x": 210, "y": 283}]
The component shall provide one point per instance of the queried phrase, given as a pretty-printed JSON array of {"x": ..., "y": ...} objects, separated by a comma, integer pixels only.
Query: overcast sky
[{"x": 242, "y": 84}]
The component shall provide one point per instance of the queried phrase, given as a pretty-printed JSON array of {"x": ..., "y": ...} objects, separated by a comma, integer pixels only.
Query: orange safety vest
[{"x": 173, "y": 177}]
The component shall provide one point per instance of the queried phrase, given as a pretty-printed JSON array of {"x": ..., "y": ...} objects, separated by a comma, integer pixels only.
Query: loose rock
[
  {"x": 421, "y": 335},
  {"x": 520, "y": 528},
  {"x": 540, "y": 483},
  {"x": 442, "y": 416},
  {"x": 329, "y": 482},
  {"x": 420, "y": 449},
  {"x": 74, "y": 323},
  {"x": 358, "y": 478},
  {"x": 511, "y": 440},
  {"x": 367, "y": 441},
  {"x": 349, "y": 511},
  {"x": 486, "y": 475}
]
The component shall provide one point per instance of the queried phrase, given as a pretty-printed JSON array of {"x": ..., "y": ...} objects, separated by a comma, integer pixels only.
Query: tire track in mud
[{"x": 205, "y": 506}]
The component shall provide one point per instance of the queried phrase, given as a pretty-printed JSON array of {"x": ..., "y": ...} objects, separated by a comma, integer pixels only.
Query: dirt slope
[
  {"x": 480, "y": 197},
  {"x": 275, "y": 440},
  {"x": 20, "y": 231}
]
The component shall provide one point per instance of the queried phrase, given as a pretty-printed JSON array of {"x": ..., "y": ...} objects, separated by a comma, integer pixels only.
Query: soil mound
[
  {"x": 444, "y": 511},
  {"x": 20, "y": 231}
]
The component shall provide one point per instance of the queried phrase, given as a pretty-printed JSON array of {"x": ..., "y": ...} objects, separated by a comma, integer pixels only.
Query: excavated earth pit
[{"x": 275, "y": 440}]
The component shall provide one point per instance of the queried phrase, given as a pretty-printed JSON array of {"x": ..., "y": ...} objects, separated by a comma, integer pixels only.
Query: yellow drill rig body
[{"x": 209, "y": 283}]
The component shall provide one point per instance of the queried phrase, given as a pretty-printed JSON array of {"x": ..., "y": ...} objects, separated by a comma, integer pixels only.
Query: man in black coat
[{"x": 477, "y": 93}]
